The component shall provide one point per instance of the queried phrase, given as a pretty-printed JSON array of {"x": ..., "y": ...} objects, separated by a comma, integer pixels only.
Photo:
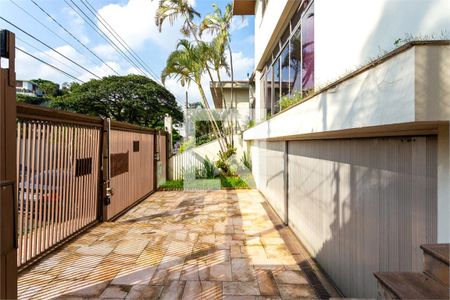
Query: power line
[
  {"x": 97, "y": 29},
  {"x": 50, "y": 65},
  {"x": 119, "y": 38},
  {"x": 49, "y": 29},
  {"x": 125, "y": 45},
  {"x": 45, "y": 53},
  {"x": 104, "y": 36},
  {"x": 51, "y": 48},
  {"x": 74, "y": 37}
]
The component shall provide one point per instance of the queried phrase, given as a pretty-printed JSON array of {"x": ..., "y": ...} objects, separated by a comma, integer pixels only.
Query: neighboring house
[
  {"x": 28, "y": 88},
  {"x": 243, "y": 98},
  {"x": 360, "y": 169}
]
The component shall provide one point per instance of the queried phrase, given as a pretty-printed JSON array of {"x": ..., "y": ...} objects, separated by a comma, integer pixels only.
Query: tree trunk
[
  {"x": 232, "y": 92},
  {"x": 216, "y": 129},
  {"x": 211, "y": 80}
]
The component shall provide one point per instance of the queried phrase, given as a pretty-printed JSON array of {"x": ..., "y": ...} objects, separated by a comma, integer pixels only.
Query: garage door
[{"x": 363, "y": 205}]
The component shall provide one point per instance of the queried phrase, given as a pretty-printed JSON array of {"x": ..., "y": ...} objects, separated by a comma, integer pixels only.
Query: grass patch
[
  {"x": 172, "y": 185},
  {"x": 207, "y": 184},
  {"x": 233, "y": 182}
]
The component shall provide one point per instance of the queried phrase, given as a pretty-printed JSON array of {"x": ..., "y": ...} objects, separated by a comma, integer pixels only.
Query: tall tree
[
  {"x": 133, "y": 99},
  {"x": 49, "y": 88},
  {"x": 218, "y": 24},
  {"x": 173, "y": 9},
  {"x": 187, "y": 64}
]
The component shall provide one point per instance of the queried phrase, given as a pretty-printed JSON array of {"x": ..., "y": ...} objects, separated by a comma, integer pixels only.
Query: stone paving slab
[{"x": 181, "y": 245}]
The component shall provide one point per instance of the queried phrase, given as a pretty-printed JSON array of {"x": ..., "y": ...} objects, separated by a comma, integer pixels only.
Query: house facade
[
  {"x": 359, "y": 167},
  {"x": 238, "y": 96},
  {"x": 28, "y": 88}
]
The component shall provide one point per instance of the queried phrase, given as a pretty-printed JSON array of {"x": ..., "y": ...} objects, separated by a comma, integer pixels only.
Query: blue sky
[{"x": 134, "y": 22}]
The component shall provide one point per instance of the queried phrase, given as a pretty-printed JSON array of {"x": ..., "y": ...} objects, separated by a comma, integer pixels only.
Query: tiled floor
[{"x": 182, "y": 245}]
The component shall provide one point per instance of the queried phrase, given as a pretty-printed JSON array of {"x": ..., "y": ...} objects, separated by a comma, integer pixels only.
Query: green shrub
[
  {"x": 288, "y": 101},
  {"x": 206, "y": 171},
  {"x": 30, "y": 99},
  {"x": 187, "y": 145},
  {"x": 251, "y": 123}
]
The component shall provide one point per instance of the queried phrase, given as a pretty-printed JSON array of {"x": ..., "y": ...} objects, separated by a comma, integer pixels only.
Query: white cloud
[
  {"x": 76, "y": 25},
  {"x": 135, "y": 23},
  {"x": 238, "y": 23},
  {"x": 106, "y": 51}
]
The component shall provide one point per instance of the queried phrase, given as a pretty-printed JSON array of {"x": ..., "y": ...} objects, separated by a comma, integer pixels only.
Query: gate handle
[{"x": 14, "y": 210}]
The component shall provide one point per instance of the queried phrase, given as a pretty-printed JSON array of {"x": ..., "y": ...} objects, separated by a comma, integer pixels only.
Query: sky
[{"x": 133, "y": 20}]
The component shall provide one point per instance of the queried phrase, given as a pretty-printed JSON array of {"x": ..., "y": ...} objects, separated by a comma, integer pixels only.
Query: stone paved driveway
[{"x": 182, "y": 245}]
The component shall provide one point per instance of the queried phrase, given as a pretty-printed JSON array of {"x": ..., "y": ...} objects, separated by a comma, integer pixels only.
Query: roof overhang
[{"x": 244, "y": 7}]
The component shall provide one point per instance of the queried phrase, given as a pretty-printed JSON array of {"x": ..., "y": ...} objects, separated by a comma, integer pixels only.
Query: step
[
  {"x": 409, "y": 285},
  {"x": 436, "y": 262}
]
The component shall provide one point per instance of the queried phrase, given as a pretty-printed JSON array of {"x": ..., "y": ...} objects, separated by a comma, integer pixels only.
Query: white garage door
[{"x": 363, "y": 205}]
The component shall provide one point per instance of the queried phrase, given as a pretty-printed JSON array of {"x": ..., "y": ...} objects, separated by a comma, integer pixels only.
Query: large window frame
[{"x": 294, "y": 29}]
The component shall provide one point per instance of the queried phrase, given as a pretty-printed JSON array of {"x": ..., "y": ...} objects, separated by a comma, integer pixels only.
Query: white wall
[
  {"x": 349, "y": 32},
  {"x": 443, "y": 185},
  {"x": 267, "y": 27},
  {"x": 383, "y": 95}
]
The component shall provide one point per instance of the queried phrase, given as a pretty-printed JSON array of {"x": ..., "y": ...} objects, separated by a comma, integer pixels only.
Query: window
[
  {"x": 295, "y": 74},
  {"x": 276, "y": 87},
  {"x": 292, "y": 70},
  {"x": 308, "y": 49},
  {"x": 268, "y": 91},
  {"x": 285, "y": 71}
]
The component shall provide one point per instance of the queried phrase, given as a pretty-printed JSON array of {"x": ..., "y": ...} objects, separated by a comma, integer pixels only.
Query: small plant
[
  {"x": 223, "y": 164},
  {"x": 187, "y": 145},
  {"x": 207, "y": 170},
  {"x": 288, "y": 101},
  {"x": 250, "y": 124},
  {"x": 246, "y": 161}
]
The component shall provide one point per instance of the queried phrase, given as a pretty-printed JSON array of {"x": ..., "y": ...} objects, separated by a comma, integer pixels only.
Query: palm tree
[
  {"x": 219, "y": 24},
  {"x": 187, "y": 64},
  {"x": 173, "y": 9}
]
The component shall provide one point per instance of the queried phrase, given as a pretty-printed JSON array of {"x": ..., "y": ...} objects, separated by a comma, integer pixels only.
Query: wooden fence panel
[
  {"x": 57, "y": 190},
  {"x": 132, "y": 169}
]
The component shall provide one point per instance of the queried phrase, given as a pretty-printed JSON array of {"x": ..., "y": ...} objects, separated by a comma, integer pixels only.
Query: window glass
[
  {"x": 295, "y": 74},
  {"x": 268, "y": 90},
  {"x": 308, "y": 49},
  {"x": 276, "y": 86},
  {"x": 285, "y": 71}
]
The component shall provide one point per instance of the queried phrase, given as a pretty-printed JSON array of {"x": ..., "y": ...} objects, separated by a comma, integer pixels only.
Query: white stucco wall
[
  {"x": 350, "y": 32},
  {"x": 381, "y": 96}
]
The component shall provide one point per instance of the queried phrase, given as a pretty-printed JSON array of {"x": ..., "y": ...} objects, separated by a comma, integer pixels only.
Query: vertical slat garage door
[{"x": 364, "y": 205}]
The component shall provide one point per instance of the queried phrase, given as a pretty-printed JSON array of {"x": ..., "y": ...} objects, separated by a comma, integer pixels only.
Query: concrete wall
[
  {"x": 350, "y": 32},
  {"x": 412, "y": 86},
  {"x": 383, "y": 95}
]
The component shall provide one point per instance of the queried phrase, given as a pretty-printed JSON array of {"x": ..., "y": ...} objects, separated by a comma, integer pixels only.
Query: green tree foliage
[
  {"x": 49, "y": 88},
  {"x": 31, "y": 99},
  {"x": 133, "y": 99}
]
